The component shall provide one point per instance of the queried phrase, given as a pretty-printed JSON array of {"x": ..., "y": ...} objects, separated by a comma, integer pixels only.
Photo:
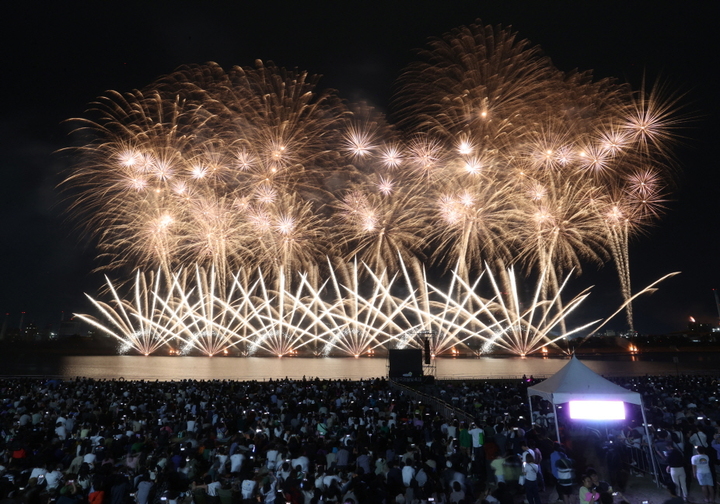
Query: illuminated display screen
[{"x": 597, "y": 410}]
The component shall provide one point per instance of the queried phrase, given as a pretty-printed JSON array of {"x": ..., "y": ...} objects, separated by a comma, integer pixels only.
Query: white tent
[{"x": 574, "y": 382}]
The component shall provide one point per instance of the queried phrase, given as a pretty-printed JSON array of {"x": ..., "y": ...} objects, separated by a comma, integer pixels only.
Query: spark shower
[{"x": 277, "y": 218}]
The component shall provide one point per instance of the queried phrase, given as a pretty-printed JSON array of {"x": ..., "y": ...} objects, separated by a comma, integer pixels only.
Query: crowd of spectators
[
  {"x": 310, "y": 441},
  {"x": 680, "y": 443}
]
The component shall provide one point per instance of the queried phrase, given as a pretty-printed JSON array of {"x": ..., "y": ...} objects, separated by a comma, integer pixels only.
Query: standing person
[
  {"x": 676, "y": 468},
  {"x": 408, "y": 473},
  {"x": 698, "y": 438},
  {"x": 465, "y": 440},
  {"x": 564, "y": 476},
  {"x": 531, "y": 471},
  {"x": 526, "y": 451},
  {"x": 478, "y": 440},
  {"x": 478, "y": 451},
  {"x": 498, "y": 467},
  {"x": 701, "y": 471}
]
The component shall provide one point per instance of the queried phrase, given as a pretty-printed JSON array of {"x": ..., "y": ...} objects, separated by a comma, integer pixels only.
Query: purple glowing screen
[{"x": 597, "y": 410}]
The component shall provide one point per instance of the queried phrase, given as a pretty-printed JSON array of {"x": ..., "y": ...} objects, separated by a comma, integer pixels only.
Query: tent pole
[
  {"x": 650, "y": 446},
  {"x": 557, "y": 424},
  {"x": 530, "y": 406}
]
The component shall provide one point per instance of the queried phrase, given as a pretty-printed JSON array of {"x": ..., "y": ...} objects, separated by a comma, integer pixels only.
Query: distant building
[
  {"x": 30, "y": 332},
  {"x": 629, "y": 334},
  {"x": 607, "y": 333},
  {"x": 67, "y": 328},
  {"x": 700, "y": 327}
]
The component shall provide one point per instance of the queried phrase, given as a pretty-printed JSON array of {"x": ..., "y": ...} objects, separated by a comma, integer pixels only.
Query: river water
[{"x": 264, "y": 368}]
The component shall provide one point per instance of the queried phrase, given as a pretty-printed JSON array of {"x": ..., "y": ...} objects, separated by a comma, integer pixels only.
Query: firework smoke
[{"x": 498, "y": 158}]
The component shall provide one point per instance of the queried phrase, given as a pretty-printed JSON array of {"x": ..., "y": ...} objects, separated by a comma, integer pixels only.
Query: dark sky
[{"x": 59, "y": 56}]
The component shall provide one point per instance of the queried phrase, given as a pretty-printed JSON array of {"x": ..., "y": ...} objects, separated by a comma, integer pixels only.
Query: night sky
[{"x": 58, "y": 57}]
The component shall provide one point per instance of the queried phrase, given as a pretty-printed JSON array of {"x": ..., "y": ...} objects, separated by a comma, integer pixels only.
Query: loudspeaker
[
  {"x": 405, "y": 363},
  {"x": 427, "y": 351}
]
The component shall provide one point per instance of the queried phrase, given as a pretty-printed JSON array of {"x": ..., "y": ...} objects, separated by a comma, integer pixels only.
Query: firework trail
[
  {"x": 497, "y": 158},
  {"x": 554, "y": 144},
  {"x": 196, "y": 314}
]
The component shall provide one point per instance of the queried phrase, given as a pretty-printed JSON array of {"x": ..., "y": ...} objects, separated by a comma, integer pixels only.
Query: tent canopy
[{"x": 576, "y": 382}]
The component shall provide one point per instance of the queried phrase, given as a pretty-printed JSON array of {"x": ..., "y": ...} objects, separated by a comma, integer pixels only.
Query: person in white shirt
[
  {"x": 60, "y": 431},
  {"x": 54, "y": 478},
  {"x": 701, "y": 471},
  {"x": 478, "y": 439},
  {"x": 248, "y": 488},
  {"x": 221, "y": 458},
  {"x": 273, "y": 457},
  {"x": 301, "y": 461},
  {"x": 236, "y": 462},
  {"x": 329, "y": 479},
  {"x": 212, "y": 488},
  {"x": 38, "y": 473},
  {"x": 531, "y": 472},
  {"x": 408, "y": 473},
  {"x": 96, "y": 439},
  {"x": 269, "y": 492}
]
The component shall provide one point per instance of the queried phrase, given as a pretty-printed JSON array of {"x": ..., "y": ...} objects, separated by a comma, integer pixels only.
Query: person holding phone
[{"x": 587, "y": 493}]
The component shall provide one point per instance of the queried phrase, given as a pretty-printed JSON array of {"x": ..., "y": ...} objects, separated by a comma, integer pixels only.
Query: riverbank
[
  {"x": 612, "y": 346},
  {"x": 134, "y": 367}
]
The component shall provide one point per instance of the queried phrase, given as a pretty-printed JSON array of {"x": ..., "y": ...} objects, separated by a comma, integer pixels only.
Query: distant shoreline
[
  {"x": 166, "y": 367},
  {"x": 104, "y": 347}
]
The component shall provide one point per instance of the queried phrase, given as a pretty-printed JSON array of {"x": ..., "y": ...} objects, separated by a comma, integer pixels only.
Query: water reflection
[{"x": 258, "y": 368}]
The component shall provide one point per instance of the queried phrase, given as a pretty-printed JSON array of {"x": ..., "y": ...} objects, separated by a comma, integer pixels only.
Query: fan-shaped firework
[
  {"x": 500, "y": 158},
  {"x": 193, "y": 312}
]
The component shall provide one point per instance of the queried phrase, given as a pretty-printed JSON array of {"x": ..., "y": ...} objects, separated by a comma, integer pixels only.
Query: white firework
[{"x": 191, "y": 313}]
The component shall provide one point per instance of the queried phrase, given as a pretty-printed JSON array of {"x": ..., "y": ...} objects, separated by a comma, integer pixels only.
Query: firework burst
[
  {"x": 194, "y": 313},
  {"x": 498, "y": 158}
]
